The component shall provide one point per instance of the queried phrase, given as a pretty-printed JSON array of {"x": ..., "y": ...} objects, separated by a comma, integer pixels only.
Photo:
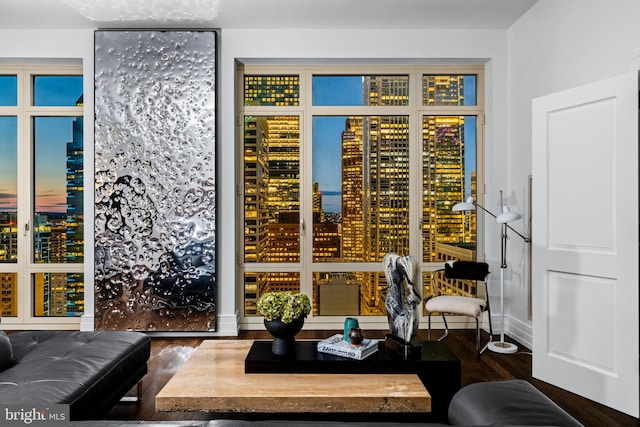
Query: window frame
[
  {"x": 306, "y": 111},
  {"x": 26, "y": 267}
]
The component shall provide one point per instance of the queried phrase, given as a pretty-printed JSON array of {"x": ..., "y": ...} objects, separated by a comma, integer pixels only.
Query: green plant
[{"x": 284, "y": 305}]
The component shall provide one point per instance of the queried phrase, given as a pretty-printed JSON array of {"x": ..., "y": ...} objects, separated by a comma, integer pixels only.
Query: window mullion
[
  {"x": 24, "y": 199},
  {"x": 415, "y": 167},
  {"x": 362, "y": 111},
  {"x": 306, "y": 168}
]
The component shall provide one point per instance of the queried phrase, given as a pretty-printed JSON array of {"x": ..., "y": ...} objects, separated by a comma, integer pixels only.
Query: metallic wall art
[{"x": 155, "y": 187}]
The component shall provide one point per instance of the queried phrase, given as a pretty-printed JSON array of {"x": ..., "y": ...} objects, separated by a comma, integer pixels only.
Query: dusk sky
[
  {"x": 327, "y": 134},
  {"x": 51, "y": 136}
]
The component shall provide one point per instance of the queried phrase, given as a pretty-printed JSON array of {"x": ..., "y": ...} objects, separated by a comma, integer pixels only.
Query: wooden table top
[{"x": 213, "y": 380}]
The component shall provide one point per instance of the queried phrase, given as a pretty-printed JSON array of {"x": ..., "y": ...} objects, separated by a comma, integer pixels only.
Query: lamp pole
[
  {"x": 502, "y": 219},
  {"x": 502, "y": 346}
]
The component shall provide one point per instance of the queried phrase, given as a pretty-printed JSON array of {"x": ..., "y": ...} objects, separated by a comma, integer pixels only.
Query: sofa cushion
[
  {"x": 6, "y": 351},
  {"x": 90, "y": 371},
  {"x": 506, "y": 403}
]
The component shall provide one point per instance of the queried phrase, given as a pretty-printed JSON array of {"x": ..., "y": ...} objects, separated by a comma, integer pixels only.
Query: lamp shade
[
  {"x": 467, "y": 205},
  {"x": 507, "y": 216}
]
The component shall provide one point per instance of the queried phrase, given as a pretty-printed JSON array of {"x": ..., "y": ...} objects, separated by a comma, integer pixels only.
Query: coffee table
[
  {"x": 436, "y": 366},
  {"x": 214, "y": 380}
]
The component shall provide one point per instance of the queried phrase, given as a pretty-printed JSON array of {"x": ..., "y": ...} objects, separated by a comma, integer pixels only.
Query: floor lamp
[{"x": 503, "y": 218}]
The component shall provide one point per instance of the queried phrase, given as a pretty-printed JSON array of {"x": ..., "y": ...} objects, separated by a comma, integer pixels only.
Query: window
[
  {"x": 341, "y": 166},
  {"x": 41, "y": 196}
]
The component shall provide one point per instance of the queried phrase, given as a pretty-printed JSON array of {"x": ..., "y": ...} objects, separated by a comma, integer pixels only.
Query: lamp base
[{"x": 502, "y": 347}]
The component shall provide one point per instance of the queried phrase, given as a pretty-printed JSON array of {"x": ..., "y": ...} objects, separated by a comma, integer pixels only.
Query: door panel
[{"x": 585, "y": 241}]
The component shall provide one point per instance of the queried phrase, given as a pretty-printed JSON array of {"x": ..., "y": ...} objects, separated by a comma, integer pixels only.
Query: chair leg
[
  {"x": 478, "y": 336},
  {"x": 490, "y": 332},
  {"x": 490, "y": 327},
  {"x": 446, "y": 328}
]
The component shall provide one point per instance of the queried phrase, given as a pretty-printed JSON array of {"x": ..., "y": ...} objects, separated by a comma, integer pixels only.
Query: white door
[{"x": 585, "y": 241}]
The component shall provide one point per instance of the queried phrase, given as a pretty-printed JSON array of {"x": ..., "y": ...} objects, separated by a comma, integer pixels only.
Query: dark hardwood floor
[{"x": 168, "y": 354}]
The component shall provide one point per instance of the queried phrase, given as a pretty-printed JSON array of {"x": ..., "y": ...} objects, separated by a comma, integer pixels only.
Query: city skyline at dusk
[
  {"x": 360, "y": 180},
  {"x": 56, "y": 176}
]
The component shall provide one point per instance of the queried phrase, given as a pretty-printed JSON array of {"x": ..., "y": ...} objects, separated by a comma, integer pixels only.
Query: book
[{"x": 337, "y": 346}]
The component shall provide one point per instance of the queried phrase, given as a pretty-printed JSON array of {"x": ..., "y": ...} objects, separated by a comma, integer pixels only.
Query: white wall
[{"x": 556, "y": 45}]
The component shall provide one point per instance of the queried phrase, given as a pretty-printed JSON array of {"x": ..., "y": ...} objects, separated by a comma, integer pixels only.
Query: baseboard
[
  {"x": 519, "y": 331},
  {"x": 87, "y": 322},
  {"x": 514, "y": 328},
  {"x": 228, "y": 326}
]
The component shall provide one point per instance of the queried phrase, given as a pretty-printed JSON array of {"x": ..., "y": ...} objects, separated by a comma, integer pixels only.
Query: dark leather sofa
[
  {"x": 89, "y": 371},
  {"x": 499, "y": 403}
]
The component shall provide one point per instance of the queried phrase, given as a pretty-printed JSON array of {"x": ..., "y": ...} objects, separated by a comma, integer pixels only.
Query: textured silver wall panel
[{"x": 155, "y": 193}]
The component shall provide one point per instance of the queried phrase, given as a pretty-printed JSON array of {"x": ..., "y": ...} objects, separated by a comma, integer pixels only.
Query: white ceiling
[{"x": 262, "y": 14}]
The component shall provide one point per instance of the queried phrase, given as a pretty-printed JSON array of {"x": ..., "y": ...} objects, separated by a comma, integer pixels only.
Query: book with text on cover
[{"x": 337, "y": 346}]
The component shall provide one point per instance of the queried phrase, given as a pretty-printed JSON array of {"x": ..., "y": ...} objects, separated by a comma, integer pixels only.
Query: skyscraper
[
  {"x": 375, "y": 186},
  {"x": 271, "y": 201},
  {"x": 256, "y": 176},
  {"x": 352, "y": 185},
  {"x": 74, "y": 282},
  {"x": 8, "y": 253},
  {"x": 75, "y": 191},
  {"x": 443, "y": 144}
]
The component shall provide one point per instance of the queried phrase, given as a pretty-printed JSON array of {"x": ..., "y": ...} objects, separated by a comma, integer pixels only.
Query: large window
[
  {"x": 341, "y": 166},
  {"x": 41, "y": 196}
]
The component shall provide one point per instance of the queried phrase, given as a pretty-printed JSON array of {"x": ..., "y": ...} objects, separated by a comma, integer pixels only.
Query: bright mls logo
[{"x": 34, "y": 415}]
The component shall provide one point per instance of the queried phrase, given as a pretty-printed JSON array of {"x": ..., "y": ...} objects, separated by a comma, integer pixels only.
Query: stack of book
[{"x": 337, "y": 346}]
